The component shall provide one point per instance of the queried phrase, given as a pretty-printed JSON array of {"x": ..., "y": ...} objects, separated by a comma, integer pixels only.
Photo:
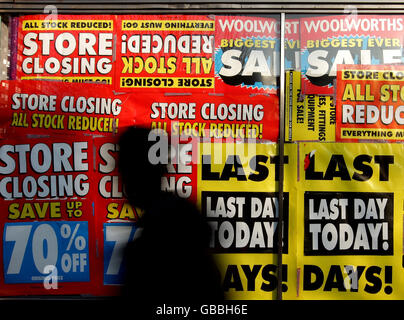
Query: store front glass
[{"x": 276, "y": 120}]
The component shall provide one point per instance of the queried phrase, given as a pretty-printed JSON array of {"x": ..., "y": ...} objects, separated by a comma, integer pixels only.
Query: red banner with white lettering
[{"x": 69, "y": 48}]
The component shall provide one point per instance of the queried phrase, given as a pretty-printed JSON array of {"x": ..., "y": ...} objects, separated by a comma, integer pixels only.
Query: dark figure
[{"x": 168, "y": 262}]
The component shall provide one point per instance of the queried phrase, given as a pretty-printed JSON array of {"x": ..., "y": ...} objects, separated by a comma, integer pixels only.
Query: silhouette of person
[{"x": 169, "y": 261}]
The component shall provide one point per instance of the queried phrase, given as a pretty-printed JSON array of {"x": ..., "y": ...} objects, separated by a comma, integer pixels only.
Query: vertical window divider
[{"x": 281, "y": 148}]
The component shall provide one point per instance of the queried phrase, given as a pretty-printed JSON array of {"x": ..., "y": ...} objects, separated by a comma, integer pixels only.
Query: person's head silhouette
[{"x": 141, "y": 178}]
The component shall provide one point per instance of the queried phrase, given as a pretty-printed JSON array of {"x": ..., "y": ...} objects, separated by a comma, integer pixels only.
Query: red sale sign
[
  {"x": 154, "y": 53},
  {"x": 246, "y": 54},
  {"x": 328, "y": 41},
  {"x": 48, "y": 235},
  {"x": 369, "y": 103},
  {"x": 69, "y": 48},
  {"x": 165, "y": 53},
  {"x": 210, "y": 116},
  {"x": 43, "y": 107}
]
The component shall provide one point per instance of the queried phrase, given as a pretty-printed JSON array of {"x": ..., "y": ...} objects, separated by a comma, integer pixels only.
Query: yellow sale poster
[
  {"x": 237, "y": 191},
  {"x": 349, "y": 221},
  {"x": 307, "y": 117}
]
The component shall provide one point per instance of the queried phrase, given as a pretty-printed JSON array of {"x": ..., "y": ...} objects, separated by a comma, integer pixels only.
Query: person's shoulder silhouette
[{"x": 169, "y": 260}]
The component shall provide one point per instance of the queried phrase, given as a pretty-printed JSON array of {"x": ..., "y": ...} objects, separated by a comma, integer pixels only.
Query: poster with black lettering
[
  {"x": 308, "y": 117},
  {"x": 169, "y": 52},
  {"x": 200, "y": 115},
  {"x": 48, "y": 107},
  {"x": 69, "y": 48},
  {"x": 47, "y": 229},
  {"x": 348, "y": 223},
  {"x": 246, "y": 54},
  {"x": 328, "y": 41},
  {"x": 244, "y": 221},
  {"x": 237, "y": 185},
  {"x": 369, "y": 103},
  {"x": 350, "y": 217}
]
